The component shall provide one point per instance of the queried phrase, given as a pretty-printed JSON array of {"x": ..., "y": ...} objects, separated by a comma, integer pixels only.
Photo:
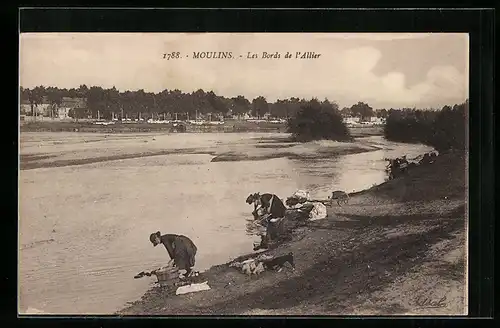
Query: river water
[{"x": 84, "y": 229}]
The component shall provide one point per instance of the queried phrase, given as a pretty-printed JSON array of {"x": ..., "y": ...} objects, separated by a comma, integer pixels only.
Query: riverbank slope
[{"x": 397, "y": 248}]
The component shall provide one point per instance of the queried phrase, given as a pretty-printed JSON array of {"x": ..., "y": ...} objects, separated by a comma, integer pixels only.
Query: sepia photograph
[{"x": 256, "y": 174}]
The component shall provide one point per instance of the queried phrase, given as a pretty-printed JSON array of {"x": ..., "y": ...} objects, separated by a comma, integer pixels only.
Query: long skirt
[
  {"x": 275, "y": 229},
  {"x": 184, "y": 253}
]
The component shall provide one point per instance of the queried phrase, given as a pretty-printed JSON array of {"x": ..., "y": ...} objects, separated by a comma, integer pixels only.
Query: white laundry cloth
[
  {"x": 192, "y": 288},
  {"x": 318, "y": 212},
  {"x": 302, "y": 194}
]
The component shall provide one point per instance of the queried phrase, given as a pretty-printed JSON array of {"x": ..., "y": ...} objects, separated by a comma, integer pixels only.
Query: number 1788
[{"x": 171, "y": 55}]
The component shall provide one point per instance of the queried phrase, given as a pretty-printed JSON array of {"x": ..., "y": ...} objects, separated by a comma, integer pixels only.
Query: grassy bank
[
  {"x": 67, "y": 126},
  {"x": 392, "y": 247}
]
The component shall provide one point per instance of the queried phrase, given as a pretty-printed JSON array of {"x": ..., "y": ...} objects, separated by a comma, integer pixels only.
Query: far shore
[{"x": 230, "y": 126}]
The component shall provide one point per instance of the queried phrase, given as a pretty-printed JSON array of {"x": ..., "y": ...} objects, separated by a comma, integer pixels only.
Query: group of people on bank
[
  {"x": 268, "y": 209},
  {"x": 398, "y": 166},
  {"x": 269, "y": 212}
]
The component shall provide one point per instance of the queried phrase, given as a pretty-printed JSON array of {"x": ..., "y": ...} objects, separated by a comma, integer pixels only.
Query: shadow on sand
[{"x": 334, "y": 281}]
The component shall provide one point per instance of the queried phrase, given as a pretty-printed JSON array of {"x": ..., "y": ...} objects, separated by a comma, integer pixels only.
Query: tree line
[
  {"x": 307, "y": 119},
  {"x": 444, "y": 129},
  {"x": 109, "y": 101},
  {"x": 106, "y": 102}
]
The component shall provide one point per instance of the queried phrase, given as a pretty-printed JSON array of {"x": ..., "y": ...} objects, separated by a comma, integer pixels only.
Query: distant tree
[
  {"x": 279, "y": 108},
  {"x": 362, "y": 110},
  {"x": 346, "y": 112},
  {"x": 259, "y": 106},
  {"x": 450, "y": 127},
  {"x": 72, "y": 93},
  {"x": 35, "y": 98},
  {"x": 216, "y": 103},
  {"x": 293, "y": 106},
  {"x": 24, "y": 95},
  {"x": 241, "y": 105},
  {"x": 382, "y": 113},
  {"x": 82, "y": 91},
  {"x": 330, "y": 106},
  {"x": 54, "y": 97},
  {"x": 316, "y": 121},
  {"x": 444, "y": 129},
  {"x": 96, "y": 101}
]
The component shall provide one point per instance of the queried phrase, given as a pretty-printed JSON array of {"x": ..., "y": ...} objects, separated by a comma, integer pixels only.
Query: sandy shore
[
  {"x": 44, "y": 150},
  {"x": 393, "y": 250}
]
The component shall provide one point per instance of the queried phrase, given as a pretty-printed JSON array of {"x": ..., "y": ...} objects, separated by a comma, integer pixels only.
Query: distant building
[
  {"x": 351, "y": 120},
  {"x": 63, "y": 112},
  {"x": 68, "y": 104},
  {"x": 25, "y": 108},
  {"x": 355, "y": 121},
  {"x": 38, "y": 109},
  {"x": 72, "y": 103},
  {"x": 214, "y": 117},
  {"x": 377, "y": 120},
  {"x": 243, "y": 116}
]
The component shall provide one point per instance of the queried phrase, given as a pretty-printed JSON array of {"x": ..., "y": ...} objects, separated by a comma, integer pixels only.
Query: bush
[
  {"x": 318, "y": 121},
  {"x": 444, "y": 130}
]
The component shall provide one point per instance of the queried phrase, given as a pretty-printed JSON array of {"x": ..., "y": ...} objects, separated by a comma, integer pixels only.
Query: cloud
[
  {"x": 345, "y": 71},
  {"x": 360, "y": 60},
  {"x": 381, "y": 36}
]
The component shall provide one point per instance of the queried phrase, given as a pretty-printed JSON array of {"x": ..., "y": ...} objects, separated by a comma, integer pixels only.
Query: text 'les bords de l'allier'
[{"x": 247, "y": 55}]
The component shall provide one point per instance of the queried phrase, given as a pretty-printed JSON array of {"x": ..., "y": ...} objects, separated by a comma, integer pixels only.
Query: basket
[{"x": 167, "y": 275}]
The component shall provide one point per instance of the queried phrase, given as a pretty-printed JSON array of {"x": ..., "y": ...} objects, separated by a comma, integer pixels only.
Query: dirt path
[{"x": 398, "y": 248}]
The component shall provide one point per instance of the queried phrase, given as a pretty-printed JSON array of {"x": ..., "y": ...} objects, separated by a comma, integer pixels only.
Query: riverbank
[
  {"x": 229, "y": 126},
  {"x": 144, "y": 127},
  {"x": 392, "y": 250}
]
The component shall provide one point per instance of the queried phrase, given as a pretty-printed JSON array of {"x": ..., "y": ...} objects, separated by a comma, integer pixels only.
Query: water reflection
[{"x": 350, "y": 173}]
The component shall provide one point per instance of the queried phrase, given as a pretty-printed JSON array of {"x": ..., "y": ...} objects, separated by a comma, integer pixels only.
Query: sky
[{"x": 385, "y": 70}]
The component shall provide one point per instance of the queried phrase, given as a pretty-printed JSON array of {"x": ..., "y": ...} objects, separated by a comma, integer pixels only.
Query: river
[{"x": 84, "y": 229}]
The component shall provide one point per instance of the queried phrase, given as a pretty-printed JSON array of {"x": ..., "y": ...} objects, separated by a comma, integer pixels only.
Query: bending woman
[
  {"x": 181, "y": 249},
  {"x": 269, "y": 203},
  {"x": 275, "y": 210}
]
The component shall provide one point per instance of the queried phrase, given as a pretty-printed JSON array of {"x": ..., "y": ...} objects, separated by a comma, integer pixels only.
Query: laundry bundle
[
  {"x": 298, "y": 197},
  {"x": 263, "y": 262},
  {"x": 249, "y": 267},
  {"x": 303, "y": 208}
]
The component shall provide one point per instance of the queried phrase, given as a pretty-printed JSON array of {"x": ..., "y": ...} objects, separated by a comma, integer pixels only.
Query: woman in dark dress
[
  {"x": 270, "y": 203},
  {"x": 274, "y": 210},
  {"x": 181, "y": 249}
]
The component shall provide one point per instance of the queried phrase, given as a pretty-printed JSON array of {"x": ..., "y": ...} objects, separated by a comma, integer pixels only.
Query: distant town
[{"x": 67, "y": 108}]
